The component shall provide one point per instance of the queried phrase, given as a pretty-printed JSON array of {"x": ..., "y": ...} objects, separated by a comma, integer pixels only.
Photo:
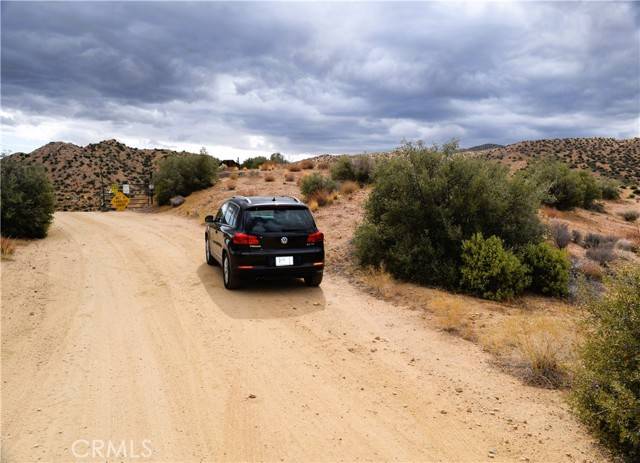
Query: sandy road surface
[{"x": 114, "y": 329}]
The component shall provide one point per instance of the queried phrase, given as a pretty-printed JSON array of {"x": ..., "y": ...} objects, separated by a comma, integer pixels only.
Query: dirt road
[{"x": 114, "y": 330}]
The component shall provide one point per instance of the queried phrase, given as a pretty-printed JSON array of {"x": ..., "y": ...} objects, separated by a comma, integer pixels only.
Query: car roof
[{"x": 249, "y": 201}]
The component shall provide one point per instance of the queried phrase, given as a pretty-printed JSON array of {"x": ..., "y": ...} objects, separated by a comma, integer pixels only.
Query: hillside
[
  {"x": 78, "y": 173},
  {"x": 619, "y": 159}
]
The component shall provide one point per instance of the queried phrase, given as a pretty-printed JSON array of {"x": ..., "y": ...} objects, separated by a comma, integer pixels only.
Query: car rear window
[{"x": 280, "y": 219}]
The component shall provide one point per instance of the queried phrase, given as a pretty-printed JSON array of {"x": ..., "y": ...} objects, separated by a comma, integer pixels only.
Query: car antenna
[{"x": 274, "y": 198}]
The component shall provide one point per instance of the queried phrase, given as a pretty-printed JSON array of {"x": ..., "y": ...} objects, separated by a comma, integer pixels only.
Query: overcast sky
[{"x": 248, "y": 78}]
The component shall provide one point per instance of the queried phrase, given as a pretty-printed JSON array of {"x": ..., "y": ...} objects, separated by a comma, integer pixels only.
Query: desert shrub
[
  {"x": 576, "y": 236},
  {"x": 548, "y": 268},
  {"x": 289, "y": 177},
  {"x": 254, "y": 162},
  {"x": 626, "y": 245},
  {"x": 564, "y": 188},
  {"x": 254, "y": 173},
  {"x": 313, "y": 183},
  {"x": 7, "y": 246},
  {"x": 606, "y": 389},
  {"x": 230, "y": 184},
  {"x": 313, "y": 205},
  {"x": 306, "y": 164},
  {"x": 610, "y": 188},
  {"x": 266, "y": 166},
  {"x": 278, "y": 158},
  {"x": 348, "y": 187},
  {"x": 603, "y": 253},
  {"x": 294, "y": 168},
  {"x": 182, "y": 175},
  {"x": 269, "y": 177},
  {"x": 630, "y": 215},
  {"x": 323, "y": 165},
  {"x": 593, "y": 240},
  {"x": 322, "y": 197},
  {"x": 355, "y": 168},
  {"x": 27, "y": 200},
  {"x": 591, "y": 270},
  {"x": 560, "y": 234},
  {"x": 490, "y": 271},
  {"x": 424, "y": 204}
]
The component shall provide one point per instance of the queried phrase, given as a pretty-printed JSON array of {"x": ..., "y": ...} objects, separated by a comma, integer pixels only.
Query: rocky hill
[
  {"x": 613, "y": 158},
  {"x": 79, "y": 174}
]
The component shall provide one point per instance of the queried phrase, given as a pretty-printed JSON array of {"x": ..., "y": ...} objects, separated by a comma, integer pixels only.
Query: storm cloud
[{"x": 243, "y": 78}]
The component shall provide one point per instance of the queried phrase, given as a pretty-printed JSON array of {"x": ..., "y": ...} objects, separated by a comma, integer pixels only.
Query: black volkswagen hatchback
[{"x": 265, "y": 237}]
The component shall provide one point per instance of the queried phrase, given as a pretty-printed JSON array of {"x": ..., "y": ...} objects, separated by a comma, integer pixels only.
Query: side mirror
[{"x": 208, "y": 219}]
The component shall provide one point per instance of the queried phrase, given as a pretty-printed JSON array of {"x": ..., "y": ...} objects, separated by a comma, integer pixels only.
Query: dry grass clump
[
  {"x": 324, "y": 165},
  {"x": 323, "y": 197},
  {"x": 382, "y": 282},
  {"x": 230, "y": 184},
  {"x": 603, "y": 254},
  {"x": 7, "y": 247},
  {"x": 254, "y": 173},
  {"x": 539, "y": 348},
  {"x": 453, "y": 317},
  {"x": 267, "y": 166},
  {"x": 294, "y": 167},
  {"x": 313, "y": 205},
  {"x": 234, "y": 176},
  {"x": 349, "y": 187},
  {"x": 630, "y": 215},
  {"x": 289, "y": 177},
  {"x": 269, "y": 177},
  {"x": 591, "y": 270},
  {"x": 306, "y": 164}
]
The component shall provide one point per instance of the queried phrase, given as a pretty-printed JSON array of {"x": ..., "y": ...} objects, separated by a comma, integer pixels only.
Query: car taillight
[
  {"x": 317, "y": 237},
  {"x": 243, "y": 238}
]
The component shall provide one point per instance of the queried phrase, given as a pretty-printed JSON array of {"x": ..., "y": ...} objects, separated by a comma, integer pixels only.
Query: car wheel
[
  {"x": 313, "y": 280},
  {"x": 231, "y": 280},
  {"x": 207, "y": 253}
]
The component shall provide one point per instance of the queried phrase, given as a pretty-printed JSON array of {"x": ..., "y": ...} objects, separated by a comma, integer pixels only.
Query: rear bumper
[{"x": 252, "y": 264}]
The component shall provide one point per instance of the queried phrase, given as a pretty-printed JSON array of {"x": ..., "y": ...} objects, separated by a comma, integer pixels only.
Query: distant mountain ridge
[{"x": 79, "y": 173}]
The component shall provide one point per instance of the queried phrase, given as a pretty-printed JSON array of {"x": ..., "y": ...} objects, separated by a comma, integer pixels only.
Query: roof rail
[
  {"x": 293, "y": 197},
  {"x": 244, "y": 198}
]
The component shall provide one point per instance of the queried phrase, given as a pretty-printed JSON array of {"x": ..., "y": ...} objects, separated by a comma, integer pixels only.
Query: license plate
[{"x": 284, "y": 260}]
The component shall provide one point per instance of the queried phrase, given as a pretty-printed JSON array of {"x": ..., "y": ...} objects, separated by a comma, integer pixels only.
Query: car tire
[
  {"x": 207, "y": 253},
  {"x": 314, "y": 280},
  {"x": 229, "y": 277}
]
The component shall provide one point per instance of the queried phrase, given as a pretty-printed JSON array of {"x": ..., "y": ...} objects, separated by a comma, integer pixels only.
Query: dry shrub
[
  {"x": 269, "y": 177},
  {"x": 630, "y": 215},
  {"x": 540, "y": 350},
  {"x": 452, "y": 317},
  {"x": 382, "y": 282},
  {"x": 230, "y": 184},
  {"x": 591, "y": 270},
  {"x": 267, "y": 166},
  {"x": 603, "y": 254},
  {"x": 234, "y": 176},
  {"x": 324, "y": 165},
  {"x": 576, "y": 237},
  {"x": 626, "y": 245},
  {"x": 322, "y": 197},
  {"x": 294, "y": 167},
  {"x": 7, "y": 246},
  {"x": 306, "y": 164},
  {"x": 348, "y": 187},
  {"x": 289, "y": 177},
  {"x": 313, "y": 205},
  {"x": 560, "y": 233},
  {"x": 254, "y": 173}
]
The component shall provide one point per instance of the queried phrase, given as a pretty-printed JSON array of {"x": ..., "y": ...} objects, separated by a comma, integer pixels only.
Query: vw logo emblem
[{"x": 284, "y": 240}]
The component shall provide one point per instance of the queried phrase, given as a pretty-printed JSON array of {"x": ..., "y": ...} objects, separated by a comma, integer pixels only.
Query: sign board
[
  {"x": 120, "y": 201},
  {"x": 125, "y": 188}
]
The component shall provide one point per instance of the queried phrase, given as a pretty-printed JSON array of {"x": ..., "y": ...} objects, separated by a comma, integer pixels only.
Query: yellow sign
[{"x": 120, "y": 201}]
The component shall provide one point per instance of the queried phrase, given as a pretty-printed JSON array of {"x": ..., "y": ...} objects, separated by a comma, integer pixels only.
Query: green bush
[
  {"x": 314, "y": 183},
  {"x": 355, "y": 168},
  {"x": 548, "y": 267},
  {"x": 564, "y": 188},
  {"x": 425, "y": 203},
  {"x": 27, "y": 200},
  {"x": 182, "y": 175},
  {"x": 606, "y": 390},
  {"x": 254, "y": 163},
  {"x": 610, "y": 188},
  {"x": 278, "y": 158},
  {"x": 490, "y": 271}
]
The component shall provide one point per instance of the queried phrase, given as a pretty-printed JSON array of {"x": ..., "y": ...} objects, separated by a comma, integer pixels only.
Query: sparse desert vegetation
[
  {"x": 7, "y": 247},
  {"x": 184, "y": 175}
]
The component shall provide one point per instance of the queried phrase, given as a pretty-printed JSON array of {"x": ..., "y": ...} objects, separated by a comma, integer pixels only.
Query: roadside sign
[
  {"x": 125, "y": 188},
  {"x": 120, "y": 201}
]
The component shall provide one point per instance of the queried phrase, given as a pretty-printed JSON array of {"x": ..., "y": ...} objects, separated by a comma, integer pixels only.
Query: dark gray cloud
[{"x": 258, "y": 77}]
